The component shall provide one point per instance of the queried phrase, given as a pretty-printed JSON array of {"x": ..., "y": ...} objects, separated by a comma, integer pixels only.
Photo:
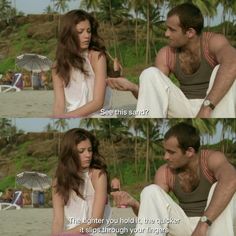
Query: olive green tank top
[
  {"x": 194, "y": 203},
  {"x": 194, "y": 86}
]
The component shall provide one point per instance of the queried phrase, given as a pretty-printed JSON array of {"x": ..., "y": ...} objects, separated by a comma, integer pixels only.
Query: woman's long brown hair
[
  {"x": 67, "y": 175},
  {"x": 68, "y": 54}
]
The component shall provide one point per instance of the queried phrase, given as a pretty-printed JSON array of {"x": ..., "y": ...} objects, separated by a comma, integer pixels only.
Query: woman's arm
[
  {"x": 99, "y": 181},
  {"x": 99, "y": 65},
  {"x": 59, "y": 96},
  {"x": 58, "y": 213}
]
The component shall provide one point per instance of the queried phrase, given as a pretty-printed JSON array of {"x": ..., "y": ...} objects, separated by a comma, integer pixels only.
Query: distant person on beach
[
  {"x": 115, "y": 184},
  {"x": 7, "y": 79},
  {"x": 202, "y": 180},
  {"x": 80, "y": 71},
  {"x": 204, "y": 63},
  {"x": 7, "y": 196},
  {"x": 80, "y": 187}
]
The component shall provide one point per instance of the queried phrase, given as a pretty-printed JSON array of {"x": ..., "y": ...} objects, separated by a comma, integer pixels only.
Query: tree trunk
[
  {"x": 135, "y": 154},
  {"x": 147, "y": 154},
  {"x": 148, "y": 34},
  {"x": 136, "y": 34}
]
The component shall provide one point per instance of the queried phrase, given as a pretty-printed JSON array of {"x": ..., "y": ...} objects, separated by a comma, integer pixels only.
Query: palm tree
[
  {"x": 61, "y": 6},
  {"x": 135, "y": 124},
  {"x": 48, "y": 10},
  {"x": 90, "y": 5},
  {"x": 5, "y": 125},
  {"x": 113, "y": 130},
  {"x": 146, "y": 127},
  {"x": 229, "y": 7},
  {"x": 90, "y": 123},
  {"x": 6, "y": 11},
  {"x": 49, "y": 128},
  {"x": 136, "y": 6},
  {"x": 113, "y": 12},
  {"x": 61, "y": 125},
  {"x": 151, "y": 14},
  {"x": 227, "y": 128}
]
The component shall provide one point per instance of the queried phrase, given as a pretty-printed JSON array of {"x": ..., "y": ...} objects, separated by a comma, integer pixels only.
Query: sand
[
  {"x": 38, "y": 103},
  {"x": 37, "y": 221}
]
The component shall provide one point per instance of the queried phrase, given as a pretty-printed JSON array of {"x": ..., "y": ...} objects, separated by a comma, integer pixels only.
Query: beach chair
[
  {"x": 15, "y": 204},
  {"x": 7, "y": 88}
]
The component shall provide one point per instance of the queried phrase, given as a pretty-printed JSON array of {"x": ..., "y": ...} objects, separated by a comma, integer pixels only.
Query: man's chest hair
[
  {"x": 188, "y": 181},
  {"x": 189, "y": 64}
]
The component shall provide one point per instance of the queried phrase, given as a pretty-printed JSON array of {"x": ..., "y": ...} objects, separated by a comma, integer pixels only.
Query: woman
[
  {"x": 80, "y": 71},
  {"x": 80, "y": 186}
]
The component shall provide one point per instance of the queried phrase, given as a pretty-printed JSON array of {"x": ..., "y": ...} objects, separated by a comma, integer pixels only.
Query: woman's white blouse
[{"x": 80, "y": 89}]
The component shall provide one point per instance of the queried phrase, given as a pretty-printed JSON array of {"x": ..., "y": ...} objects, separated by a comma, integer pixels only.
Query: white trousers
[
  {"x": 160, "y": 215},
  {"x": 159, "y": 97}
]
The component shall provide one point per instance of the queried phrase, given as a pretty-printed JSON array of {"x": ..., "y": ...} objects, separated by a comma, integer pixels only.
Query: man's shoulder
[
  {"x": 214, "y": 39},
  {"x": 165, "y": 171},
  {"x": 167, "y": 56},
  {"x": 167, "y": 49},
  {"x": 212, "y": 157}
]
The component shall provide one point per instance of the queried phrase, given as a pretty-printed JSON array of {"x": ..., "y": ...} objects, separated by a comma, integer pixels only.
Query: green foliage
[
  {"x": 127, "y": 169},
  {"x": 8, "y": 182},
  {"x": 7, "y": 64}
]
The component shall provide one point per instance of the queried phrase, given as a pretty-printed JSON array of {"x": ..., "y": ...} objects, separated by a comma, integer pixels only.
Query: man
[
  {"x": 204, "y": 183},
  {"x": 203, "y": 63}
]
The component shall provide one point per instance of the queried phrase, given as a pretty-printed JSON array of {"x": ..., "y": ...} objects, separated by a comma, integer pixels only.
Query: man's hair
[
  {"x": 189, "y": 16},
  {"x": 186, "y": 134}
]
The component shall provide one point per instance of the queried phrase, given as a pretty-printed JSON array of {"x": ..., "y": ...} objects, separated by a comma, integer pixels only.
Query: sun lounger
[
  {"x": 7, "y": 88},
  {"x": 15, "y": 204}
]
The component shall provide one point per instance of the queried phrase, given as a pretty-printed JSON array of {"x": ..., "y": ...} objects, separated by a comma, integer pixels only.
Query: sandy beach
[
  {"x": 38, "y": 103},
  {"x": 37, "y": 221}
]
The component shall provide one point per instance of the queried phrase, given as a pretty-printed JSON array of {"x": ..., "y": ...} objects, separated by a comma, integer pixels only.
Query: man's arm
[
  {"x": 225, "y": 174},
  {"x": 160, "y": 178},
  {"x": 124, "y": 198},
  {"x": 123, "y": 84},
  {"x": 226, "y": 75},
  {"x": 161, "y": 61}
]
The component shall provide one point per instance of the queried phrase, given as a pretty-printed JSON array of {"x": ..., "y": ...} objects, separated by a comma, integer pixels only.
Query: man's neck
[
  {"x": 192, "y": 46},
  {"x": 191, "y": 166}
]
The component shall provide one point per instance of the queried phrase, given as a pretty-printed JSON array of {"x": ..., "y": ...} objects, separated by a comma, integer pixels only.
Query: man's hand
[
  {"x": 204, "y": 112},
  {"x": 200, "y": 230},
  {"x": 120, "y": 83},
  {"x": 123, "y": 84},
  {"x": 122, "y": 198}
]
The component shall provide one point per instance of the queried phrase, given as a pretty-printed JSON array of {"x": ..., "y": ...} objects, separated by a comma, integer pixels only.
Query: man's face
[
  {"x": 177, "y": 38},
  {"x": 174, "y": 156}
]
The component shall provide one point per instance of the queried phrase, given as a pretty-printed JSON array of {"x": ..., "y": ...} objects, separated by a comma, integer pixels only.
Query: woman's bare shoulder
[
  {"x": 96, "y": 55},
  {"x": 97, "y": 172}
]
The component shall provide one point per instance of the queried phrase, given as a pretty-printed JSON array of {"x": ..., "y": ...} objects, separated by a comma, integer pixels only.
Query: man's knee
[
  {"x": 151, "y": 191},
  {"x": 150, "y": 73}
]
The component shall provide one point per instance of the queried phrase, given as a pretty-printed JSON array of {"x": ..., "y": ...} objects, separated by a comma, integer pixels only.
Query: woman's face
[
  {"x": 85, "y": 153},
  {"x": 84, "y": 33}
]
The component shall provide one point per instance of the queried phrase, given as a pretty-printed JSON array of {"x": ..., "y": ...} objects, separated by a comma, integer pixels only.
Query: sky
[
  {"x": 38, "y": 6},
  {"x": 39, "y": 124}
]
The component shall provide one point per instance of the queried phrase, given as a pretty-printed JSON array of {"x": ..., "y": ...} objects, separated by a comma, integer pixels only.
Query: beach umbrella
[
  {"x": 33, "y": 62},
  {"x": 33, "y": 180}
]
